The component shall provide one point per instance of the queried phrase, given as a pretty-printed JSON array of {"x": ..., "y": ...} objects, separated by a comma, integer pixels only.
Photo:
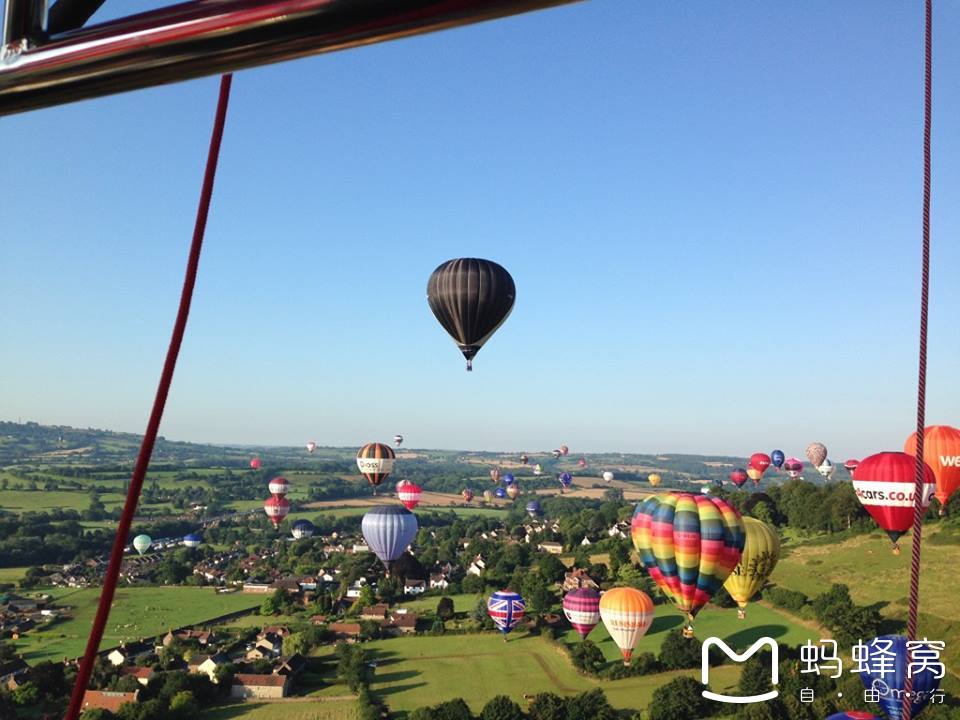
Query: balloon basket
[
  {"x": 741, "y": 615},
  {"x": 896, "y": 549}
]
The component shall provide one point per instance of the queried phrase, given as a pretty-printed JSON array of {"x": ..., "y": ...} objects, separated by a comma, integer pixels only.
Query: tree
[
  {"x": 587, "y": 657},
  {"x": 473, "y": 584},
  {"x": 548, "y": 706},
  {"x": 551, "y": 569},
  {"x": 534, "y": 590},
  {"x": 183, "y": 704},
  {"x": 445, "y": 608},
  {"x": 365, "y": 599},
  {"x": 501, "y": 707},
  {"x": 452, "y": 710},
  {"x": 275, "y": 604},
  {"x": 679, "y": 699},
  {"x": 592, "y": 705},
  {"x": 296, "y": 643},
  {"x": 755, "y": 677},
  {"x": 26, "y": 694},
  {"x": 678, "y": 652}
]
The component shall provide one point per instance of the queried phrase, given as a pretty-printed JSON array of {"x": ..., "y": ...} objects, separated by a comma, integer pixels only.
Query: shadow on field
[
  {"x": 664, "y": 623},
  {"x": 395, "y": 676},
  {"x": 397, "y": 688},
  {"x": 743, "y": 638}
]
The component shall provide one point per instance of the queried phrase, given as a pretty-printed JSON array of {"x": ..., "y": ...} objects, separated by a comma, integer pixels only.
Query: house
[
  {"x": 345, "y": 631},
  {"x": 143, "y": 675},
  {"x": 554, "y": 548},
  {"x": 208, "y": 664},
  {"x": 360, "y": 548},
  {"x": 439, "y": 582},
  {"x": 281, "y": 631},
  {"x": 402, "y": 623},
  {"x": 202, "y": 637},
  {"x": 578, "y": 578},
  {"x": 586, "y": 541},
  {"x": 291, "y": 585},
  {"x": 257, "y": 587},
  {"x": 477, "y": 566},
  {"x": 291, "y": 665},
  {"x": 266, "y": 647},
  {"x": 129, "y": 653},
  {"x": 10, "y": 670},
  {"x": 308, "y": 583},
  {"x": 259, "y": 686},
  {"x": 318, "y": 620},
  {"x": 375, "y": 612},
  {"x": 106, "y": 700},
  {"x": 414, "y": 587}
]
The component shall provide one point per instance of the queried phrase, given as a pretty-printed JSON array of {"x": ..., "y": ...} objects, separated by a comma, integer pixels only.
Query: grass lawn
[
  {"x": 419, "y": 671},
  {"x": 137, "y": 612},
  {"x": 461, "y": 603},
  {"x": 17, "y": 501},
  {"x": 292, "y": 709},
  {"x": 12, "y": 575}
]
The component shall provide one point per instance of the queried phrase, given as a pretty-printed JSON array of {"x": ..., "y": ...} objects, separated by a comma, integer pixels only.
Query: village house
[
  {"x": 11, "y": 670},
  {"x": 477, "y": 566},
  {"x": 439, "y": 582},
  {"x": 578, "y": 578},
  {"x": 208, "y": 664},
  {"x": 585, "y": 541},
  {"x": 401, "y": 623},
  {"x": 318, "y": 620},
  {"x": 203, "y": 637},
  {"x": 143, "y": 675},
  {"x": 291, "y": 585},
  {"x": 106, "y": 700},
  {"x": 414, "y": 587},
  {"x": 375, "y": 612},
  {"x": 360, "y": 548},
  {"x": 129, "y": 653},
  {"x": 257, "y": 587},
  {"x": 260, "y": 686},
  {"x": 266, "y": 647},
  {"x": 281, "y": 631},
  {"x": 345, "y": 631},
  {"x": 291, "y": 665},
  {"x": 554, "y": 548}
]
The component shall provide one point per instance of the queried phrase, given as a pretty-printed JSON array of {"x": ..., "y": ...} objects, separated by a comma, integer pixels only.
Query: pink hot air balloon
[
  {"x": 277, "y": 508},
  {"x": 467, "y": 494},
  {"x": 255, "y": 464},
  {"x": 409, "y": 494},
  {"x": 793, "y": 466},
  {"x": 582, "y": 462},
  {"x": 582, "y": 608},
  {"x": 851, "y": 465},
  {"x": 279, "y": 486},
  {"x": 564, "y": 450}
]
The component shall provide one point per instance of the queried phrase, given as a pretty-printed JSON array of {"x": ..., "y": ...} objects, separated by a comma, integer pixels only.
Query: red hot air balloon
[
  {"x": 851, "y": 465},
  {"x": 582, "y": 462},
  {"x": 255, "y": 464},
  {"x": 941, "y": 451},
  {"x": 409, "y": 494},
  {"x": 760, "y": 461},
  {"x": 884, "y": 483},
  {"x": 277, "y": 508},
  {"x": 279, "y": 486},
  {"x": 467, "y": 494},
  {"x": 738, "y": 477}
]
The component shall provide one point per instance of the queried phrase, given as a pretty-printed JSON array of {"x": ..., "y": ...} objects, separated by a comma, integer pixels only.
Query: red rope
[
  {"x": 153, "y": 426},
  {"x": 918, "y": 509}
]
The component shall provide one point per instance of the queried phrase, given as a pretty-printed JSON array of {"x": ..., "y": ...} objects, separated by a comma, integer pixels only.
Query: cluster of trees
[
  {"x": 57, "y": 537},
  {"x": 592, "y": 705}
]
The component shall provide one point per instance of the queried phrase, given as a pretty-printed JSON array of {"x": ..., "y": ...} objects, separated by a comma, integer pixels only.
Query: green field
[
  {"x": 461, "y": 603},
  {"x": 417, "y": 671},
  {"x": 136, "y": 613},
  {"x": 285, "y": 710},
  {"x": 12, "y": 575},
  {"x": 17, "y": 501}
]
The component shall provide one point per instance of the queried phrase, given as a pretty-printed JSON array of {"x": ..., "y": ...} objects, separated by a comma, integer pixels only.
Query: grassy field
[
  {"x": 17, "y": 501},
  {"x": 461, "y": 603},
  {"x": 136, "y": 613},
  {"x": 292, "y": 709},
  {"x": 417, "y": 671},
  {"x": 12, "y": 575}
]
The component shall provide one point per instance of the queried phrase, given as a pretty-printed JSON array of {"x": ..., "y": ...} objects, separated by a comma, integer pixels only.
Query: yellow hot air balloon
[
  {"x": 627, "y": 614},
  {"x": 761, "y": 550},
  {"x": 654, "y": 479}
]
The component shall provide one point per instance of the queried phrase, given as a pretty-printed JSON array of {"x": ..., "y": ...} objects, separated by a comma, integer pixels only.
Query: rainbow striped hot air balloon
[
  {"x": 689, "y": 544},
  {"x": 582, "y": 608},
  {"x": 627, "y": 614},
  {"x": 506, "y": 608}
]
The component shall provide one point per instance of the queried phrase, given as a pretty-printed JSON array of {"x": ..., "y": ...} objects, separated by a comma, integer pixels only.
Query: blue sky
[{"x": 711, "y": 211}]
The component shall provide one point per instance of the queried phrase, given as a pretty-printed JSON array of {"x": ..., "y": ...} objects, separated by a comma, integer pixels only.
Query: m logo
[{"x": 737, "y": 657}]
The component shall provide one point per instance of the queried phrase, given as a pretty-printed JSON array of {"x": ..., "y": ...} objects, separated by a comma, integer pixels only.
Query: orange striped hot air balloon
[
  {"x": 627, "y": 614},
  {"x": 375, "y": 461},
  {"x": 941, "y": 451}
]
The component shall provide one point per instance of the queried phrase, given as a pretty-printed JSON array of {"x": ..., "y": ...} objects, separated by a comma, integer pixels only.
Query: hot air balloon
[
  {"x": 500, "y": 492},
  {"x": 398, "y": 440},
  {"x": 761, "y": 550},
  {"x": 533, "y": 508},
  {"x": 607, "y": 476},
  {"x": 941, "y": 451},
  {"x": 793, "y": 466},
  {"x": 388, "y": 530},
  {"x": 582, "y": 462},
  {"x": 884, "y": 484},
  {"x": 279, "y": 486},
  {"x": 409, "y": 495},
  {"x": 826, "y": 469},
  {"x": 816, "y": 453},
  {"x": 302, "y": 529},
  {"x": 776, "y": 458},
  {"x": 566, "y": 480},
  {"x": 738, "y": 477},
  {"x": 754, "y": 474},
  {"x": 513, "y": 490},
  {"x": 564, "y": 450},
  {"x": 654, "y": 479},
  {"x": 467, "y": 494},
  {"x": 524, "y": 459},
  {"x": 255, "y": 463},
  {"x": 760, "y": 462},
  {"x": 375, "y": 461},
  {"x": 508, "y": 479},
  {"x": 142, "y": 543},
  {"x": 537, "y": 470},
  {"x": 192, "y": 540},
  {"x": 851, "y": 465},
  {"x": 470, "y": 298},
  {"x": 277, "y": 507},
  {"x": 487, "y": 496},
  {"x": 627, "y": 614},
  {"x": 495, "y": 475},
  {"x": 311, "y": 446},
  {"x": 689, "y": 544},
  {"x": 582, "y": 608},
  {"x": 556, "y": 454},
  {"x": 506, "y": 608},
  {"x": 853, "y": 715},
  {"x": 892, "y": 654}
]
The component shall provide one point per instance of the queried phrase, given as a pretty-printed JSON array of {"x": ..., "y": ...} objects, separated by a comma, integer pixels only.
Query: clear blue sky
[{"x": 711, "y": 211}]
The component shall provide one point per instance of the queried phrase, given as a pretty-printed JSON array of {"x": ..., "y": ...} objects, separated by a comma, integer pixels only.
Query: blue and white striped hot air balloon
[
  {"x": 500, "y": 492},
  {"x": 506, "y": 608},
  {"x": 388, "y": 530},
  {"x": 302, "y": 529},
  {"x": 192, "y": 540}
]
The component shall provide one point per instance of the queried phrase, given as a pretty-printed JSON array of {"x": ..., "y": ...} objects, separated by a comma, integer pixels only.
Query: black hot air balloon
[{"x": 471, "y": 298}]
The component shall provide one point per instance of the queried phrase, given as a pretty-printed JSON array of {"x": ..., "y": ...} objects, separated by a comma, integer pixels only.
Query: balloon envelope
[
  {"x": 689, "y": 544},
  {"x": 388, "y": 530},
  {"x": 941, "y": 451},
  {"x": 760, "y": 461},
  {"x": 470, "y": 298},
  {"x": 500, "y": 492},
  {"x": 487, "y": 496},
  {"x": 891, "y": 653},
  {"x": 761, "y": 550},
  {"x": 506, "y": 608},
  {"x": 564, "y": 450},
  {"x": 582, "y": 608},
  {"x": 375, "y": 461},
  {"x": 533, "y": 508},
  {"x": 409, "y": 494},
  {"x": 566, "y": 479},
  {"x": 277, "y": 507},
  {"x": 495, "y": 475},
  {"x": 255, "y": 463},
  {"x": 793, "y": 466},
  {"x": 279, "y": 486},
  {"x": 524, "y": 459},
  {"x": 654, "y": 479},
  {"x": 467, "y": 494},
  {"x": 142, "y": 543},
  {"x": 302, "y": 529},
  {"x": 851, "y": 465},
  {"x": 397, "y": 440},
  {"x": 738, "y": 477},
  {"x": 537, "y": 470},
  {"x": 853, "y": 715},
  {"x": 608, "y": 476},
  {"x": 508, "y": 479},
  {"x": 192, "y": 540},
  {"x": 816, "y": 453},
  {"x": 776, "y": 458},
  {"x": 884, "y": 483},
  {"x": 513, "y": 490},
  {"x": 826, "y": 469},
  {"x": 311, "y": 446},
  {"x": 627, "y": 614}
]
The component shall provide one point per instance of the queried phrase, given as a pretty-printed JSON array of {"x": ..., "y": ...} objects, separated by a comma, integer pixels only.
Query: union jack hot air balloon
[
  {"x": 506, "y": 608},
  {"x": 582, "y": 608}
]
